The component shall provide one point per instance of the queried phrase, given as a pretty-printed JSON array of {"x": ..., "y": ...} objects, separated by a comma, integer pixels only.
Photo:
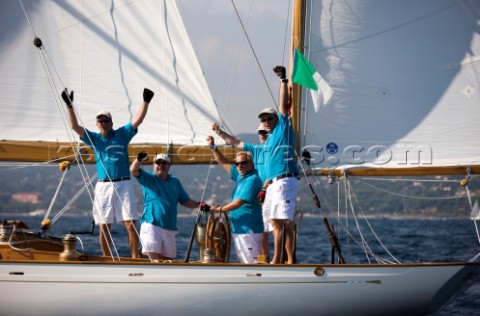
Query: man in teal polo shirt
[
  {"x": 280, "y": 168},
  {"x": 161, "y": 194},
  {"x": 259, "y": 164},
  {"x": 245, "y": 210},
  {"x": 114, "y": 193}
]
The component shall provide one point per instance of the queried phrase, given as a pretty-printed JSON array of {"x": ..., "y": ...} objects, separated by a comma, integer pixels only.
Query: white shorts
[
  {"x": 267, "y": 225},
  {"x": 158, "y": 240},
  {"x": 114, "y": 202},
  {"x": 280, "y": 198},
  {"x": 247, "y": 246}
]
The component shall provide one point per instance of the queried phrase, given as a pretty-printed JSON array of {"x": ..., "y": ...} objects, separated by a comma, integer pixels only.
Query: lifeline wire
[{"x": 254, "y": 54}]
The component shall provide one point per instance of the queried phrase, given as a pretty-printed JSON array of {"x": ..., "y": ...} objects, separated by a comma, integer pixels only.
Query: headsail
[
  {"x": 107, "y": 52},
  {"x": 406, "y": 81}
]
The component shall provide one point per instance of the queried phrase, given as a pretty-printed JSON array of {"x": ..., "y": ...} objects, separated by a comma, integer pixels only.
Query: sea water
[{"x": 407, "y": 240}]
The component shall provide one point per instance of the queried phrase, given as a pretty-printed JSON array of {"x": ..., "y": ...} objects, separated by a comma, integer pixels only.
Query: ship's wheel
[{"x": 218, "y": 235}]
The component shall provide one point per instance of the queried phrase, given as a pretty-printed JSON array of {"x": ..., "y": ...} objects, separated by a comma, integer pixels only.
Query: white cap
[
  {"x": 104, "y": 113},
  {"x": 162, "y": 157},
  {"x": 267, "y": 111}
]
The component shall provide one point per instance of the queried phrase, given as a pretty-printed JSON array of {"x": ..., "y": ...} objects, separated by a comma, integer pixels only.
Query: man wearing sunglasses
[
  {"x": 245, "y": 210},
  {"x": 280, "y": 169},
  {"x": 257, "y": 154},
  {"x": 162, "y": 193},
  {"x": 114, "y": 193}
]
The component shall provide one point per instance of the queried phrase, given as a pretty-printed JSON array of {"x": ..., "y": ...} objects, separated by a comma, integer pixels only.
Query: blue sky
[{"x": 217, "y": 36}]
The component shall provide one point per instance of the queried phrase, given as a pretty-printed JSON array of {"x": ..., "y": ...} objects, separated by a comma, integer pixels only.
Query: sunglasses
[
  {"x": 104, "y": 121},
  {"x": 265, "y": 119},
  {"x": 242, "y": 163},
  {"x": 161, "y": 162},
  {"x": 262, "y": 132}
]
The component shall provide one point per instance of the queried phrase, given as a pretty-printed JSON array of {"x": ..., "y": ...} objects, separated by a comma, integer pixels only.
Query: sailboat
[{"x": 396, "y": 69}]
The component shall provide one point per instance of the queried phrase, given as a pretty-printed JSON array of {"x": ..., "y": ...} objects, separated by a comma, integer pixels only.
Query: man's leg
[
  {"x": 277, "y": 240},
  {"x": 132, "y": 237},
  {"x": 289, "y": 241},
  {"x": 105, "y": 241}
]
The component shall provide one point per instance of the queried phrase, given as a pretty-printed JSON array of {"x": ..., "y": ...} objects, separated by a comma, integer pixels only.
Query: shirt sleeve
[
  {"x": 183, "y": 196},
  {"x": 234, "y": 173},
  {"x": 127, "y": 132},
  {"x": 145, "y": 178},
  {"x": 88, "y": 137}
]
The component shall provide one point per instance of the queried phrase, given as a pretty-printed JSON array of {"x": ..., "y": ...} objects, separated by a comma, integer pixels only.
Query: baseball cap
[
  {"x": 162, "y": 157},
  {"x": 267, "y": 111},
  {"x": 104, "y": 113}
]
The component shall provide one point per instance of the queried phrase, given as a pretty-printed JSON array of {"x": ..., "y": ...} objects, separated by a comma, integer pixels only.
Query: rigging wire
[
  {"x": 28, "y": 19},
  {"x": 49, "y": 68},
  {"x": 235, "y": 67},
  {"x": 411, "y": 196},
  {"x": 286, "y": 33},
  {"x": 369, "y": 225},
  {"x": 254, "y": 53},
  {"x": 54, "y": 198}
]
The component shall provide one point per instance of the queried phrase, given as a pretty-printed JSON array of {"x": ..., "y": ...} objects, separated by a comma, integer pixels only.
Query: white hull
[{"x": 229, "y": 289}]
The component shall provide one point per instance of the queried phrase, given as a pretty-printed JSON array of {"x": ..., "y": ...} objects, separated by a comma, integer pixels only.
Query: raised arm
[
  {"x": 281, "y": 73},
  {"x": 219, "y": 157},
  {"x": 136, "y": 163},
  {"x": 72, "y": 118},
  {"x": 142, "y": 112},
  {"x": 229, "y": 139}
]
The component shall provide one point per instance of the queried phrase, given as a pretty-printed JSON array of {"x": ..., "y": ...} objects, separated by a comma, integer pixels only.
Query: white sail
[
  {"x": 107, "y": 52},
  {"x": 406, "y": 81}
]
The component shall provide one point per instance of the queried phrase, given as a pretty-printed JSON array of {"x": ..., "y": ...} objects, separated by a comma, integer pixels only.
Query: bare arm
[
  {"x": 281, "y": 73},
  {"x": 142, "y": 112},
  {"x": 190, "y": 204},
  {"x": 135, "y": 168},
  {"x": 72, "y": 118},
  {"x": 233, "y": 205},
  {"x": 219, "y": 157},
  {"x": 229, "y": 139},
  {"x": 284, "y": 98}
]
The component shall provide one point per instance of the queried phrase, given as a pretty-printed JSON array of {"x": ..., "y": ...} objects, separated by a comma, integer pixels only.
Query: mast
[{"x": 298, "y": 41}]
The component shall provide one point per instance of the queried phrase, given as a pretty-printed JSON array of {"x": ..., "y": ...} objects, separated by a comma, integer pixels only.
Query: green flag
[
  {"x": 306, "y": 75},
  {"x": 303, "y": 72}
]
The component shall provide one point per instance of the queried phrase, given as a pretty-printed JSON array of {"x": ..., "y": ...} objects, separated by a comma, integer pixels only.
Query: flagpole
[{"x": 298, "y": 40}]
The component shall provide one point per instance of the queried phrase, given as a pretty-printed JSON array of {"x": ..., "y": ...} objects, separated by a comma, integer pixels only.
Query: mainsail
[
  {"x": 107, "y": 52},
  {"x": 406, "y": 78}
]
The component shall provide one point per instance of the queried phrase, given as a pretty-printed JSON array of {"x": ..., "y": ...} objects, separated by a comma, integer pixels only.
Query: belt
[
  {"x": 114, "y": 179},
  {"x": 287, "y": 175}
]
